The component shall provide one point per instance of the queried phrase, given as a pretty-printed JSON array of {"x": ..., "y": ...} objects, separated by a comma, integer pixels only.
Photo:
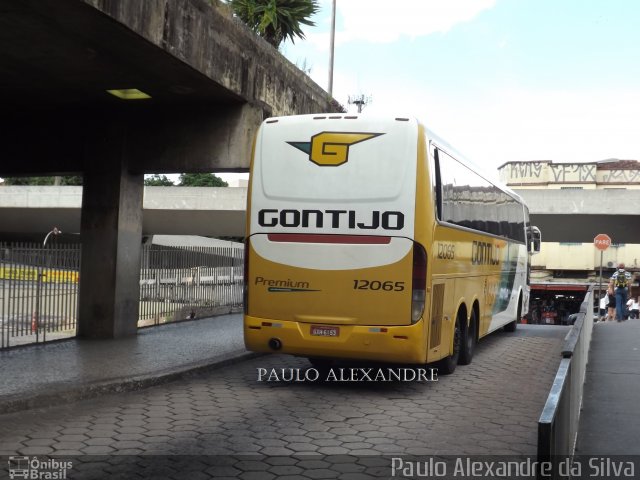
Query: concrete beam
[
  {"x": 158, "y": 140},
  {"x": 206, "y": 36},
  {"x": 194, "y": 140},
  {"x": 583, "y": 228}
]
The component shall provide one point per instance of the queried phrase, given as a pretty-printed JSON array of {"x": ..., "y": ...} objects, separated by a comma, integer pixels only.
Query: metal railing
[
  {"x": 39, "y": 287},
  {"x": 189, "y": 282},
  {"x": 558, "y": 423},
  {"x": 38, "y": 292}
]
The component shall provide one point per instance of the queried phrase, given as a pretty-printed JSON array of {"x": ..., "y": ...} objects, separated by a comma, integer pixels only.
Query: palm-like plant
[{"x": 276, "y": 20}]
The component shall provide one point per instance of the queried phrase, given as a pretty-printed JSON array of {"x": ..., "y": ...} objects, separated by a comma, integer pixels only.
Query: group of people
[{"x": 617, "y": 304}]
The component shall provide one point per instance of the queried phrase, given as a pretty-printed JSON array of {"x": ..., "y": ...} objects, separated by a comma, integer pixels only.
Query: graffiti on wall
[
  {"x": 524, "y": 170},
  {"x": 573, "y": 172},
  {"x": 546, "y": 172},
  {"x": 621, "y": 176}
]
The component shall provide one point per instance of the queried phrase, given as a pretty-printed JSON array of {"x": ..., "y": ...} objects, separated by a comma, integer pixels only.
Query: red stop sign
[{"x": 602, "y": 241}]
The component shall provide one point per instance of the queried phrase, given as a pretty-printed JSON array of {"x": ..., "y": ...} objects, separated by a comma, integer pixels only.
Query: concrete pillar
[{"x": 111, "y": 232}]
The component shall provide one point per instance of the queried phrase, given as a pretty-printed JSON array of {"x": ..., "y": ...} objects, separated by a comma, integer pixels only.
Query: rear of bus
[{"x": 332, "y": 269}]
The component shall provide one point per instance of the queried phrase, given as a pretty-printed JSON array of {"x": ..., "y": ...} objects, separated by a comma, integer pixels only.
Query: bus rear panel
[{"x": 332, "y": 266}]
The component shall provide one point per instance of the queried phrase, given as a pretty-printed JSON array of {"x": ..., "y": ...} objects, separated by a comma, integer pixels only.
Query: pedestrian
[
  {"x": 611, "y": 305},
  {"x": 635, "y": 309},
  {"x": 604, "y": 301},
  {"x": 621, "y": 280}
]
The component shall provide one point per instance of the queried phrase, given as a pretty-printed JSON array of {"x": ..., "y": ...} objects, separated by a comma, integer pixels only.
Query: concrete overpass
[
  {"x": 209, "y": 83},
  {"x": 209, "y": 212},
  {"x": 562, "y": 215},
  {"x": 579, "y": 215}
]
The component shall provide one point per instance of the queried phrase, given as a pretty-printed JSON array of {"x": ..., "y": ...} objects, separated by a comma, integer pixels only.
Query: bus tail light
[{"x": 419, "y": 283}]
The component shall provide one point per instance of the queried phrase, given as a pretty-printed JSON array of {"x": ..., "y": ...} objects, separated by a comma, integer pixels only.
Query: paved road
[{"x": 488, "y": 407}]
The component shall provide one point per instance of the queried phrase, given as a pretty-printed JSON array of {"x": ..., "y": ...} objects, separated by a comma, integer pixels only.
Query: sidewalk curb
[{"x": 93, "y": 390}]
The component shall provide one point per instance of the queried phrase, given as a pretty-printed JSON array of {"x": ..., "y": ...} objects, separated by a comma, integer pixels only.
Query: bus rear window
[{"x": 378, "y": 164}]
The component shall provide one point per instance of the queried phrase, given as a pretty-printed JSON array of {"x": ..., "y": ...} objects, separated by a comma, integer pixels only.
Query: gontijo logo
[{"x": 330, "y": 149}]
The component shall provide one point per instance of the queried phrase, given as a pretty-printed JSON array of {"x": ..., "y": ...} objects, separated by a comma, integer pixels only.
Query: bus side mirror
[{"x": 534, "y": 239}]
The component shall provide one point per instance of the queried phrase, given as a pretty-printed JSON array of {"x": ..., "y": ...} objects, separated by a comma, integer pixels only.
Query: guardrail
[{"x": 558, "y": 423}]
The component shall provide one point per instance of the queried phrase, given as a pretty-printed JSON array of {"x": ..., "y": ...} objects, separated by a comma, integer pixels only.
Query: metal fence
[
  {"x": 38, "y": 292},
  {"x": 39, "y": 287},
  {"x": 188, "y": 282}
]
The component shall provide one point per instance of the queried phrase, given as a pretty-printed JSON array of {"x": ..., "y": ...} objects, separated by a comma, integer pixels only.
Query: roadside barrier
[{"x": 558, "y": 423}]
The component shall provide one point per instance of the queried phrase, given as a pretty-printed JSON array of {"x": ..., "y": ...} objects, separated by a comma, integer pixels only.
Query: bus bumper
[{"x": 396, "y": 344}]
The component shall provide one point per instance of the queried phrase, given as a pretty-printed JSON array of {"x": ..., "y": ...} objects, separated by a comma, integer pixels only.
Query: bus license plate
[{"x": 325, "y": 331}]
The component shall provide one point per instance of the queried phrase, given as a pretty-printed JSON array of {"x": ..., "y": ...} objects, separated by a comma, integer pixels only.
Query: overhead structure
[{"x": 113, "y": 89}]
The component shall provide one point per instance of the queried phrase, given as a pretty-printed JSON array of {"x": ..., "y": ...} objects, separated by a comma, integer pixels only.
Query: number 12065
[{"x": 387, "y": 286}]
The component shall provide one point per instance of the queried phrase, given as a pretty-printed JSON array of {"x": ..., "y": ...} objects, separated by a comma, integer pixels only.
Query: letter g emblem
[{"x": 330, "y": 149}]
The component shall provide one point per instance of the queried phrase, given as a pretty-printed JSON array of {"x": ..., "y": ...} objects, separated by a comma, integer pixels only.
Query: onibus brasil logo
[
  {"x": 331, "y": 149},
  {"x": 38, "y": 469}
]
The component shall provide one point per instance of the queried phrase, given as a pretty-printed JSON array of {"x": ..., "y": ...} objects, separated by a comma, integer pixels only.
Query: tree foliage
[
  {"x": 67, "y": 180},
  {"x": 201, "y": 180},
  {"x": 156, "y": 180},
  {"x": 276, "y": 20}
]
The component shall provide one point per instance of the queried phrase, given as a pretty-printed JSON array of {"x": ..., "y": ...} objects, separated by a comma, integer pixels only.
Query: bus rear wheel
[
  {"x": 448, "y": 365},
  {"x": 468, "y": 344}
]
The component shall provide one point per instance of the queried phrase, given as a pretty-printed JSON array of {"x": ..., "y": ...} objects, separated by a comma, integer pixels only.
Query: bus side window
[{"x": 438, "y": 192}]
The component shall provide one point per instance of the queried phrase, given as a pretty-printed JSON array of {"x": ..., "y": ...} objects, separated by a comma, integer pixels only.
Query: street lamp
[
  {"x": 35, "y": 321},
  {"x": 55, "y": 231}
]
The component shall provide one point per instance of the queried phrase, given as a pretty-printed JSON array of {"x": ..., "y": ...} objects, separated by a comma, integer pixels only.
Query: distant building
[{"x": 563, "y": 270}]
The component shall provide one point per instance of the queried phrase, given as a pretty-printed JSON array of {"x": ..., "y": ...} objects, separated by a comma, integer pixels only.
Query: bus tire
[
  {"x": 511, "y": 327},
  {"x": 448, "y": 365},
  {"x": 468, "y": 341}
]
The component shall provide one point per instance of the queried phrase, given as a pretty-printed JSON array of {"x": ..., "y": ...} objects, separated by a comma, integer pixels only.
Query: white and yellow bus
[{"x": 371, "y": 239}]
